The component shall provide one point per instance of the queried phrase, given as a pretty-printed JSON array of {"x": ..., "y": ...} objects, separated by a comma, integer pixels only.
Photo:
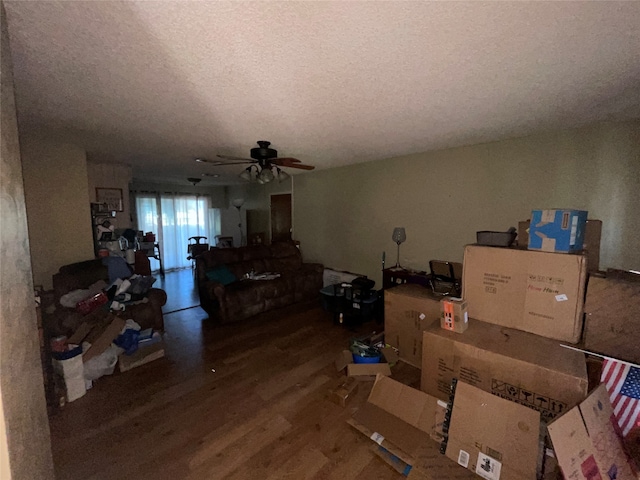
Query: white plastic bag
[{"x": 103, "y": 364}]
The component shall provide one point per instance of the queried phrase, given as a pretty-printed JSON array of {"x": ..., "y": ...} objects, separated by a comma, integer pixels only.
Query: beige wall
[
  {"x": 56, "y": 189},
  {"x": 25, "y": 448},
  {"x": 344, "y": 217},
  {"x": 257, "y": 199},
  {"x": 107, "y": 175},
  {"x": 259, "y": 202}
]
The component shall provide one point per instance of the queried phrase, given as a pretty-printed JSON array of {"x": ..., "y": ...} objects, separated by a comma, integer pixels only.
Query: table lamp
[{"x": 399, "y": 236}]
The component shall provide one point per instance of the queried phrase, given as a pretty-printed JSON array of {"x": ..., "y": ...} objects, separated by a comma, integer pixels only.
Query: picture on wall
[{"x": 112, "y": 197}]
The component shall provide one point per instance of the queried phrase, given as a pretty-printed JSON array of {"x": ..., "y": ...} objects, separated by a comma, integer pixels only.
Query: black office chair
[{"x": 443, "y": 280}]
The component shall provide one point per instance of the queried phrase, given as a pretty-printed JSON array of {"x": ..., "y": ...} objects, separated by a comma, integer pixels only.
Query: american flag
[{"x": 623, "y": 384}]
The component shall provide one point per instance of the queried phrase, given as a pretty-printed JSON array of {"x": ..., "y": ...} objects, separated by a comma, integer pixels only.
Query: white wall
[
  {"x": 344, "y": 217},
  {"x": 58, "y": 204}
]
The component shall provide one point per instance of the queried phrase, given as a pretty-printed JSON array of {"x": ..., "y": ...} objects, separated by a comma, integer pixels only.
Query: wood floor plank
[{"x": 237, "y": 453}]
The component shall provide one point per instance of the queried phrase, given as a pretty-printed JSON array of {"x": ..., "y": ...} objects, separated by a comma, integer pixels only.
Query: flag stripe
[{"x": 623, "y": 385}]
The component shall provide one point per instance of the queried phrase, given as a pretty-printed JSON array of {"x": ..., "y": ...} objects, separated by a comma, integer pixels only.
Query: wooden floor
[{"x": 240, "y": 402}]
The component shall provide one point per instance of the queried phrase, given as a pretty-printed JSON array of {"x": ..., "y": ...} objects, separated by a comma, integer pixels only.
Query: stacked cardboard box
[
  {"x": 409, "y": 310},
  {"x": 525, "y": 368},
  {"x": 497, "y": 394},
  {"x": 537, "y": 292}
]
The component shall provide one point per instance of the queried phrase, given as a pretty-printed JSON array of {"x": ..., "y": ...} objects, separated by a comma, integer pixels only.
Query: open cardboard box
[
  {"x": 402, "y": 420},
  {"x": 487, "y": 435},
  {"x": 360, "y": 371},
  {"x": 586, "y": 443}
]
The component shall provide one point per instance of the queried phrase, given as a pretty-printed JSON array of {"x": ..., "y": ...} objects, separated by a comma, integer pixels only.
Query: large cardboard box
[
  {"x": 401, "y": 419},
  {"x": 491, "y": 436},
  {"x": 408, "y": 310},
  {"x": 590, "y": 246},
  {"x": 586, "y": 444},
  {"x": 557, "y": 230},
  {"x": 518, "y": 366},
  {"x": 538, "y": 292},
  {"x": 612, "y": 308}
]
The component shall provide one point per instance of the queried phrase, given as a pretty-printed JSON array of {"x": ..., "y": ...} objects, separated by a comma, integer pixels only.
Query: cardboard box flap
[
  {"x": 368, "y": 369},
  {"x": 494, "y": 437},
  {"x": 585, "y": 441},
  {"x": 406, "y": 437},
  {"x": 343, "y": 359},
  {"x": 105, "y": 339},
  {"x": 413, "y": 445},
  {"x": 517, "y": 344},
  {"x": 412, "y": 406}
]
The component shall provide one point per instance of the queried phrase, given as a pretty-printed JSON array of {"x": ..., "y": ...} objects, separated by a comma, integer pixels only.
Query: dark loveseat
[
  {"x": 83, "y": 274},
  {"x": 242, "y": 298}
]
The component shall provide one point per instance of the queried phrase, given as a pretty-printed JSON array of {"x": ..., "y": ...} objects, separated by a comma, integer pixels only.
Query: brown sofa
[
  {"x": 242, "y": 298},
  {"x": 83, "y": 274}
]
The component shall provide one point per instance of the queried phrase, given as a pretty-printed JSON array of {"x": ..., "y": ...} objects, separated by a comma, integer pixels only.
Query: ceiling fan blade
[
  {"x": 297, "y": 165},
  {"x": 229, "y": 157},
  {"x": 236, "y": 161},
  {"x": 285, "y": 159}
]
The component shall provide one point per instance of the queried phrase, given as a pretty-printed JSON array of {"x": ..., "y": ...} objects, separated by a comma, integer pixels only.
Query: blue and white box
[{"x": 557, "y": 230}]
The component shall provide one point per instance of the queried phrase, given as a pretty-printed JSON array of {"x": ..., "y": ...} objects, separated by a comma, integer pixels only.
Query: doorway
[{"x": 281, "y": 217}]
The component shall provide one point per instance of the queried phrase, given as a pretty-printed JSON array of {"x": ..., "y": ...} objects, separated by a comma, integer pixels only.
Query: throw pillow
[{"x": 221, "y": 275}]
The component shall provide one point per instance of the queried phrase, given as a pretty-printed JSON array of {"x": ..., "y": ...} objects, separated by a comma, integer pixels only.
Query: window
[{"x": 174, "y": 218}]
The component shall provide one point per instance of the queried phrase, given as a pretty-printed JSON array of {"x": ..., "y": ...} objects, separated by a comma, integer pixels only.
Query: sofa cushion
[
  {"x": 284, "y": 249},
  {"x": 222, "y": 275},
  {"x": 255, "y": 252},
  {"x": 285, "y": 264}
]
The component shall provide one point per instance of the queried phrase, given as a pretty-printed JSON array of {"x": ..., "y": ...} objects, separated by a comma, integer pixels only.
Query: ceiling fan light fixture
[
  {"x": 246, "y": 174},
  {"x": 282, "y": 175},
  {"x": 266, "y": 175}
]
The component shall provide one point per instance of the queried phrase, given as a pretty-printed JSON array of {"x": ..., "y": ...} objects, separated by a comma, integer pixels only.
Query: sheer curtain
[{"x": 174, "y": 218}]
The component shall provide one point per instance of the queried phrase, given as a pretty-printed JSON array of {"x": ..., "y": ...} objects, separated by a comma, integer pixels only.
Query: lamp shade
[
  {"x": 237, "y": 202},
  {"x": 246, "y": 174},
  {"x": 266, "y": 175},
  {"x": 399, "y": 235}
]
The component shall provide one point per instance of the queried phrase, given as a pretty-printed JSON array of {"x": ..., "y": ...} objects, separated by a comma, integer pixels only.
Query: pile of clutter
[
  {"x": 103, "y": 340},
  {"x": 521, "y": 378},
  {"x": 80, "y": 361},
  {"x": 121, "y": 292}
]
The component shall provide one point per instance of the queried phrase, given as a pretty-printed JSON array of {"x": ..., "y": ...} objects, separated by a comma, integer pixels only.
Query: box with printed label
[
  {"x": 590, "y": 246},
  {"x": 491, "y": 436},
  {"x": 454, "y": 314},
  {"x": 408, "y": 310},
  {"x": 538, "y": 292},
  {"x": 557, "y": 230},
  {"x": 407, "y": 423},
  {"x": 586, "y": 443},
  {"x": 528, "y": 369}
]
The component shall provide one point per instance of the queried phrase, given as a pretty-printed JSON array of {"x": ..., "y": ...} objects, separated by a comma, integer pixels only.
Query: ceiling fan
[{"x": 264, "y": 160}]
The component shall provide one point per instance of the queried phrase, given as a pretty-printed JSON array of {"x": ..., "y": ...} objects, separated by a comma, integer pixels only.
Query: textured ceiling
[{"x": 156, "y": 84}]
